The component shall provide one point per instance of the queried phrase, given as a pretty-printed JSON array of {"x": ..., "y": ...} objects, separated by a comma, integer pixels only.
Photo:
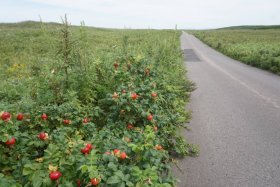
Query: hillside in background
[
  {"x": 253, "y": 27},
  {"x": 24, "y": 24}
]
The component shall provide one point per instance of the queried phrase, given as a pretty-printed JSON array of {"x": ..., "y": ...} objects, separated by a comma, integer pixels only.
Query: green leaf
[
  {"x": 120, "y": 174},
  {"x": 36, "y": 180},
  {"x": 67, "y": 184},
  {"x": 126, "y": 177},
  {"x": 129, "y": 184},
  {"x": 112, "y": 166},
  {"x": 114, "y": 180},
  {"x": 128, "y": 108},
  {"x": 122, "y": 184},
  {"x": 84, "y": 168},
  {"x": 27, "y": 171}
]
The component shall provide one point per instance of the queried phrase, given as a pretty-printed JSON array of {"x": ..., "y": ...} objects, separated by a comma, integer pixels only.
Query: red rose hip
[
  {"x": 11, "y": 142},
  {"x": 116, "y": 151},
  {"x": 43, "y": 136},
  {"x": 116, "y": 65},
  {"x": 123, "y": 156},
  {"x": 44, "y": 116},
  {"x": 6, "y": 116},
  {"x": 134, "y": 96},
  {"x": 158, "y": 147},
  {"x": 153, "y": 94},
  {"x": 94, "y": 181},
  {"x": 85, "y": 150},
  {"x": 86, "y": 120},
  {"x": 89, "y": 145},
  {"x": 55, "y": 175},
  {"x": 20, "y": 116},
  {"x": 66, "y": 121},
  {"x": 130, "y": 126},
  {"x": 150, "y": 117}
]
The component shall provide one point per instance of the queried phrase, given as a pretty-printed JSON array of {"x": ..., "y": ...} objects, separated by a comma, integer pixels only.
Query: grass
[
  {"x": 255, "y": 45},
  {"x": 24, "y": 43},
  {"x": 254, "y": 27}
]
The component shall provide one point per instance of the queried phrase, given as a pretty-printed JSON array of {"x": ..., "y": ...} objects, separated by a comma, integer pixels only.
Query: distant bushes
[{"x": 258, "y": 48}]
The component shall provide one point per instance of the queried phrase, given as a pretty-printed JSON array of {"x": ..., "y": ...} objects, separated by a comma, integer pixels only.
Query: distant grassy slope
[
  {"x": 254, "y": 27},
  {"x": 257, "y": 47},
  {"x": 26, "y": 43},
  {"x": 26, "y": 24}
]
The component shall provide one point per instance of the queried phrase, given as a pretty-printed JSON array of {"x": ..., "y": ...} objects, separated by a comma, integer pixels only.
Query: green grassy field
[
  {"x": 84, "y": 106},
  {"x": 257, "y": 46}
]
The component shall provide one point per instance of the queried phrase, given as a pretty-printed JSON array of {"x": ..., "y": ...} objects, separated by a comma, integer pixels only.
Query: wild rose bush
[{"x": 101, "y": 124}]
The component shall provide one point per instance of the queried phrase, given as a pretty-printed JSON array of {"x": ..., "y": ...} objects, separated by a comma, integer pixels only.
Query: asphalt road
[{"x": 236, "y": 122}]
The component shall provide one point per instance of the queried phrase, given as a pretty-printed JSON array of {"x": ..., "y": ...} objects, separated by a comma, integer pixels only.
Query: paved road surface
[{"x": 236, "y": 122}]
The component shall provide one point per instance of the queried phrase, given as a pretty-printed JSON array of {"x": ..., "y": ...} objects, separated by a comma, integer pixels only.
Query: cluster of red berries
[
  {"x": 43, "y": 136},
  {"x": 6, "y": 116},
  {"x": 55, "y": 175},
  {"x": 86, "y": 150},
  {"x": 121, "y": 155},
  {"x": 133, "y": 95},
  {"x": 118, "y": 153}
]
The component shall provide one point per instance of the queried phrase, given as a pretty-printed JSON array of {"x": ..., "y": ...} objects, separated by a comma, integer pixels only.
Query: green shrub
[{"x": 105, "y": 113}]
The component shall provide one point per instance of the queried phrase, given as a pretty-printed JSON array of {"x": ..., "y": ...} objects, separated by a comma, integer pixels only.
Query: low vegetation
[{"x": 257, "y": 46}]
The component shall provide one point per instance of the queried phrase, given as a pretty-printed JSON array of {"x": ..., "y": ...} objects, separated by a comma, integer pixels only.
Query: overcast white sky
[{"x": 197, "y": 14}]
